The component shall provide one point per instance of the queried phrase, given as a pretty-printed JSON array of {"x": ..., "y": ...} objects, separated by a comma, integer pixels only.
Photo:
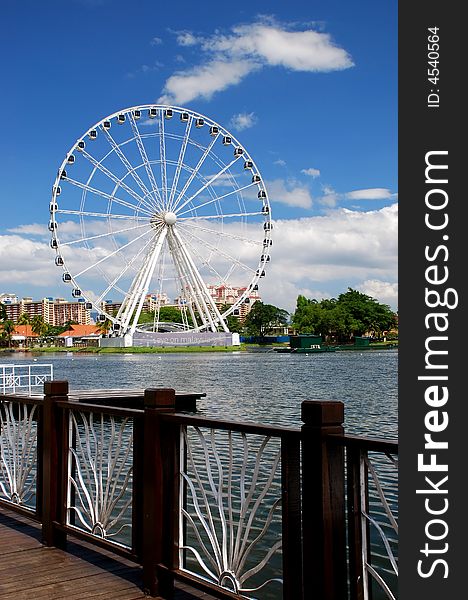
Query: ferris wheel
[{"x": 158, "y": 205}]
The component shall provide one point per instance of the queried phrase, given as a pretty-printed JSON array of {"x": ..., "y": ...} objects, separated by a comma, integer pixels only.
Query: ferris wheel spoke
[
  {"x": 116, "y": 180},
  {"x": 202, "y": 297},
  {"x": 217, "y": 198},
  {"x": 110, "y": 197},
  {"x": 201, "y": 259},
  {"x": 106, "y": 234},
  {"x": 221, "y": 252},
  {"x": 83, "y": 213},
  {"x": 132, "y": 305},
  {"x": 130, "y": 169},
  {"x": 162, "y": 154},
  {"x": 116, "y": 251},
  {"x": 214, "y": 316},
  {"x": 195, "y": 171},
  {"x": 220, "y": 216},
  {"x": 122, "y": 273},
  {"x": 223, "y": 234},
  {"x": 145, "y": 159},
  {"x": 208, "y": 183},
  {"x": 180, "y": 161},
  {"x": 186, "y": 286}
]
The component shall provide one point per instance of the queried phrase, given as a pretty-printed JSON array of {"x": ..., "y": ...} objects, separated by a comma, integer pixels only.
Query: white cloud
[
  {"x": 289, "y": 192},
  {"x": 319, "y": 257},
  {"x": 330, "y": 197},
  {"x": 156, "y": 41},
  {"x": 331, "y": 253},
  {"x": 204, "y": 81},
  {"x": 386, "y": 292},
  {"x": 35, "y": 229},
  {"x": 276, "y": 46},
  {"x": 243, "y": 121},
  {"x": 186, "y": 38},
  {"x": 311, "y": 172},
  {"x": 230, "y": 58},
  {"x": 280, "y": 162},
  {"x": 370, "y": 194}
]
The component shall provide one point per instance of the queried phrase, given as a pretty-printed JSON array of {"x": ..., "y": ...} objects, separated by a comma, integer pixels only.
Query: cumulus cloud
[
  {"x": 385, "y": 291},
  {"x": 35, "y": 229},
  {"x": 330, "y": 197},
  {"x": 311, "y": 172},
  {"x": 243, "y": 121},
  {"x": 186, "y": 38},
  {"x": 370, "y": 194},
  {"x": 319, "y": 257},
  {"x": 230, "y": 58},
  {"x": 289, "y": 192},
  {"x": 204, "y": 81},
  {"x": 328, "y": 254}
]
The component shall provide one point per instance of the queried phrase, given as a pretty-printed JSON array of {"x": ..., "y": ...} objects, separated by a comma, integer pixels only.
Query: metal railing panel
[
  {"x": 231, "y": 510},
  {"x": 100, "y": 476},
  {"x": 18, "y": 454}
]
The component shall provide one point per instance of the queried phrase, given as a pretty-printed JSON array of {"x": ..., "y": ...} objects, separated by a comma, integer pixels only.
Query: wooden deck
[{"x": 29, "y": 570}]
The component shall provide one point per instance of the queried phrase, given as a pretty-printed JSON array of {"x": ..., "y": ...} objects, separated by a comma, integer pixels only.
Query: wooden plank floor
[{"x": 29, "y": 570}]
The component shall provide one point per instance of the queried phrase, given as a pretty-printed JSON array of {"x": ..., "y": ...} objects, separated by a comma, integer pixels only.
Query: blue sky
[{"x": 309, "y": 88}]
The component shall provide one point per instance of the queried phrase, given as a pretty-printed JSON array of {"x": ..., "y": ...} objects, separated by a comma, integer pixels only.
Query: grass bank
[{"x": 137, "y": 349}]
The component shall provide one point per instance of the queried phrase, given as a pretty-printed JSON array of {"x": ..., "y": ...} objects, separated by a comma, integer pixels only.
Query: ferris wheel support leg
[
  {"x": 181, "y": 269},
  {"x": 143, "y": 290},
  {"x": 199, "y": 296},
  {"x": 201, "y": 284}
]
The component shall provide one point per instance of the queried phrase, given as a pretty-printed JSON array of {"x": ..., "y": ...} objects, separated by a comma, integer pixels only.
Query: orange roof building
[
  {"x": 79, "y": 331},
  {"x": 23, "y": 332}
]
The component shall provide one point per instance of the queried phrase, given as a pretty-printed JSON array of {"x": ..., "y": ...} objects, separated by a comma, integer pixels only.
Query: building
[
  {"x": 55, "y": 312},
  {"x": 151, "y": 304},
  {"x": 228, "y": 295}
]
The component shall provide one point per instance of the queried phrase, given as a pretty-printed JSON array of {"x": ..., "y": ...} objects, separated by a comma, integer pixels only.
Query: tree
[
  {"x": 38, "y": 325},
  {"x": 263, "y": 318},
  {"x": 8, "y": 328},
  {"x": 3, "y": 312},
  {"x": 24, "y": 319},
  {"x": 104, "y": 326},
  {"x": 352, "y": 313}
]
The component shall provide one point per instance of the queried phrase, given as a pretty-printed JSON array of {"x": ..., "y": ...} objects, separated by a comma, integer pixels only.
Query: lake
[
  {"x": 255, "y": 386},
  {"x": 261, "y": 386}
]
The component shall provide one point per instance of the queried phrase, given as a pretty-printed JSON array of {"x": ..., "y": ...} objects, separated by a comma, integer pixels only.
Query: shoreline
[{"x": 177, "y": 349}]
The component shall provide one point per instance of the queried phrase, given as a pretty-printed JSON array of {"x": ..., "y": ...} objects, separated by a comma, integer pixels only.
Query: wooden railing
[{"x": 235, "y": 509}]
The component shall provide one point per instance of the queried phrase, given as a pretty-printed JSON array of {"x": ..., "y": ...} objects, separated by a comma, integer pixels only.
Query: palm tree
[
  {"x": 104, "y": 326},
  {"x": 8, "y": 330},
  {"x": 38, "y": 325},
  {"x": 3, "y": 312},
  {"x": 24, "y": 319}
]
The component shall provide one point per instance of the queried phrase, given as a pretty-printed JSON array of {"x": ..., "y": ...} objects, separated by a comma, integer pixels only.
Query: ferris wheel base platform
[{"x": 170, "y": 339}]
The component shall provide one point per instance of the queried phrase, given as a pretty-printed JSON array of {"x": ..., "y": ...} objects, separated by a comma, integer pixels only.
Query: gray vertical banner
[{"x": 433, "y": 244}]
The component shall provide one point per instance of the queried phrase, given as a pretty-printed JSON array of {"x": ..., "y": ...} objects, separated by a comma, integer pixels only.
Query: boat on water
[
  {"x": 305, "y": 344},
  {"x": 310, "y": 350}
]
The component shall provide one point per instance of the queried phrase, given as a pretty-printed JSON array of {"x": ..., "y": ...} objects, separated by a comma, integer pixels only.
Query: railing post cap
[
  {"x": 159, "y": 398},
  {"x": 56, "y": 388},
  {"x": 320, "y": 413}
]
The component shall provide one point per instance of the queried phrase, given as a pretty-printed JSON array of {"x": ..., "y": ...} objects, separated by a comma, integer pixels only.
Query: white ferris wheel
[{"x": 156, "y": 202}]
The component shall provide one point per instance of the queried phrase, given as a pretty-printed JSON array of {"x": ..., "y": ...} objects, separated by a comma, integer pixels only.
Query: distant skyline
[{"x": 310, "y": 89}]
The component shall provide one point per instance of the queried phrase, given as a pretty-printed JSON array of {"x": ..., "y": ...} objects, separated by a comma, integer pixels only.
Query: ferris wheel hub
[{"x": 170, "y": 218}]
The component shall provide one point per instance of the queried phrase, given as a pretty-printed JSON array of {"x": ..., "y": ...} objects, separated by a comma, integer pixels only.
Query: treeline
[
  {"x": 339, "y": 319},
  {"x": 351, "y": 314}
]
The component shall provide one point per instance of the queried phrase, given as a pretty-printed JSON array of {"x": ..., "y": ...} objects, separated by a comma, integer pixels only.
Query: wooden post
[
  {"x": 323, "y": 502},
  {"x": 54, "y": 434},
  {"x": 155, "y": 519}
]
